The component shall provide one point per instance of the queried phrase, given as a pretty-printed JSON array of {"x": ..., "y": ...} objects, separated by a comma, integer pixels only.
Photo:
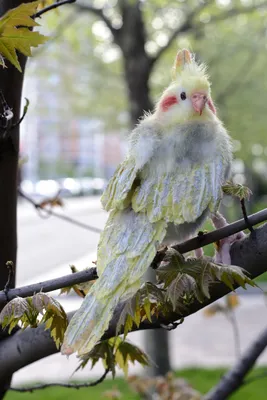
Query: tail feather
[{"x": 126, "y": 249}]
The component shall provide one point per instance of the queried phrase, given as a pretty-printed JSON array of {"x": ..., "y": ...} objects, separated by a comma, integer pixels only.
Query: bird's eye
[{"x": 183, "y": 96}]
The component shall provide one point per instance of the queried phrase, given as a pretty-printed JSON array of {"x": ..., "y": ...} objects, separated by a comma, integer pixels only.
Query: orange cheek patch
[{"x": 168, "y": 102}]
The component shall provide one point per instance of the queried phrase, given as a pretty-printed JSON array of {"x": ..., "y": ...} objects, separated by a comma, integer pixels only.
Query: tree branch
[
  {"x": 34, "y": 344},
  {"x": 50, "y": 285},
  {"x": 52, "y": 7},
  {"x": 99, "y": 13},
  {"x": 186, "y": 26},
  {"x": 65, "y": 385},
  {"x": 233, "y": 12},
  {"x": 234, "y": 378},
  {"x": 91, "y": 274}
]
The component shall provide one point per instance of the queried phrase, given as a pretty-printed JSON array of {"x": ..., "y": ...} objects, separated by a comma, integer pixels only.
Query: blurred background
[{"x": 106, "y": 63}]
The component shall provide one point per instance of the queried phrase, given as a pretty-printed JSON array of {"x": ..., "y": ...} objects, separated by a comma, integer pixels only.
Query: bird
[{"x": 168, "y": 185}]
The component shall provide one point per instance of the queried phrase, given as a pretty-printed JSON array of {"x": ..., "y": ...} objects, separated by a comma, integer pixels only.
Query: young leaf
[
  {"x": 206, "y": 272},
  {"x": 147, "y": 301},
  {"x": 102, "y": 351},
  {"x": 18, "y": 310},
  {"x": 237, "y": 190},
  {"x": 16, "y": 33},
  {"x": 54, "y": 316},
  {"x": 115, "y": 352}
]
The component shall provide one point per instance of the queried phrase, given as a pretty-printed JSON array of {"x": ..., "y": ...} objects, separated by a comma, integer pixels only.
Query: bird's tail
[{"x": 126, "y": 248}]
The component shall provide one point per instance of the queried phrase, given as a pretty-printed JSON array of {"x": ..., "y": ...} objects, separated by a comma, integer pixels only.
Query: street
[
  {"x": 48, "y": 246},
  {"x": 44, "y": 244}
]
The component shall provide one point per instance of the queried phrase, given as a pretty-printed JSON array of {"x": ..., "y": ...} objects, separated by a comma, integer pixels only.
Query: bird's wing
[
  {"x": 182, "y": 196},
  {"x": 128, "y": 240},
  {"x": 121, "y": 186},
  {"x": 120, "y": 189}
]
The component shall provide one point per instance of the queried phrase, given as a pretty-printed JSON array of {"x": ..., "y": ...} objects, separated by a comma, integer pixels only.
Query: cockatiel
[{"x": 169, "y": 184}]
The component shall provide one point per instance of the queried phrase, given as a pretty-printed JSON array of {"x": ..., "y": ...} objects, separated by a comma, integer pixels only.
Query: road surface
[
  {"x": 48, "y": 246},
  {"x": 44, "y": 244}
]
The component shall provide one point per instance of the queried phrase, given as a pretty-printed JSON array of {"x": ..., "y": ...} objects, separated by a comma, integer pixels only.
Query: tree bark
[
  {"x": 137, "y": 63},
  {"x": 11, "y": 81},
  {"x": 234, "y": 378}
]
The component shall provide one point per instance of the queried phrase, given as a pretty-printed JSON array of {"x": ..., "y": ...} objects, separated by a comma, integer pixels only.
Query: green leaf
[
  {"x": 147, "y": 301},
  {"x": 115, "y": 352},
  {"x": 236, "y": 190},
  {"x": 16, "y": 33},
  {"x": 184, "y": 278}
]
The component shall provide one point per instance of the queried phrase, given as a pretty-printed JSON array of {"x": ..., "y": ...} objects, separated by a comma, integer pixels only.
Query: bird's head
[{"x": 188, "y": 97}]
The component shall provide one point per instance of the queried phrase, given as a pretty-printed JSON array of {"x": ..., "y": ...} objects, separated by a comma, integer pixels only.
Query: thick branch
[
  {"x": 234, "y": 378},
  {"x": 99, "y": 13},
  {"x": 33, "y": 344},
  {"x": 91, "y": 274}
]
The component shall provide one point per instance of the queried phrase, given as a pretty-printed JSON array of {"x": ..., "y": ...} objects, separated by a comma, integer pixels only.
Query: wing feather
[
  {"x": 181, "y": 196},
  {"x": 117, "y": 194}
]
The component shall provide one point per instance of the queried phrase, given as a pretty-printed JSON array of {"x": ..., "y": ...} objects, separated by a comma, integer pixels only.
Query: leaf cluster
[
  {"x": 149, "y": 300},
  {"x": 179, "y": 281},
  {"x": 115, "y": 352},
  {"x": 32, "y": 311},
  {"x": 185, "y": 279},
  {"x": 16, "y": 33}
]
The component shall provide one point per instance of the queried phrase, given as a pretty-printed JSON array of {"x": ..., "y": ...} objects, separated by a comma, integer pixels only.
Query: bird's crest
[
  {"x": 183, "y": 57},
  {"x": 185, "y": 63}
]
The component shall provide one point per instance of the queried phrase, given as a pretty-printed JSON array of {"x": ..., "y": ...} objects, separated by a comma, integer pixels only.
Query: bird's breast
[{"x": 183, "y": 148}]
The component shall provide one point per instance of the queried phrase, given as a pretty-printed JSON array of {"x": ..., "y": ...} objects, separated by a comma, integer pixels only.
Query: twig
[
  {"x": 50, "y": 285},
  {"x": 65, "y": 385},
  {"x": 49, "y": 212},
  {"x": 23, "y": 115},
  {"x": 244, "y": 211},
  {"x": 89, "y": 275},
  {"x": 52, "y": 7},
  {"x": 234, "y": 378},
  {"x": 10, "y": 267},
  {"x": 214, "y": 236},
  {"x": 232, "y": 319}
]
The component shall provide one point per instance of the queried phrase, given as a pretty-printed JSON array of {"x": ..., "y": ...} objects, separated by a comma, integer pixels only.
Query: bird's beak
[{"x": 198, "y": 101}]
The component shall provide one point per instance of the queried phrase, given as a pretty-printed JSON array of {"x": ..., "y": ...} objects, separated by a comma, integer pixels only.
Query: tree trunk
[
  {"x": 11, "y": 86},
  {"x": 137, "y": 64},
  {"x": 137, "y": 69}
]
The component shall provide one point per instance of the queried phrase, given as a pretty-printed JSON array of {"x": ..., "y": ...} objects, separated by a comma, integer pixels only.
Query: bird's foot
[
  {"x": 223, "y": 246},
  {"x": 199, "y": 253}
]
